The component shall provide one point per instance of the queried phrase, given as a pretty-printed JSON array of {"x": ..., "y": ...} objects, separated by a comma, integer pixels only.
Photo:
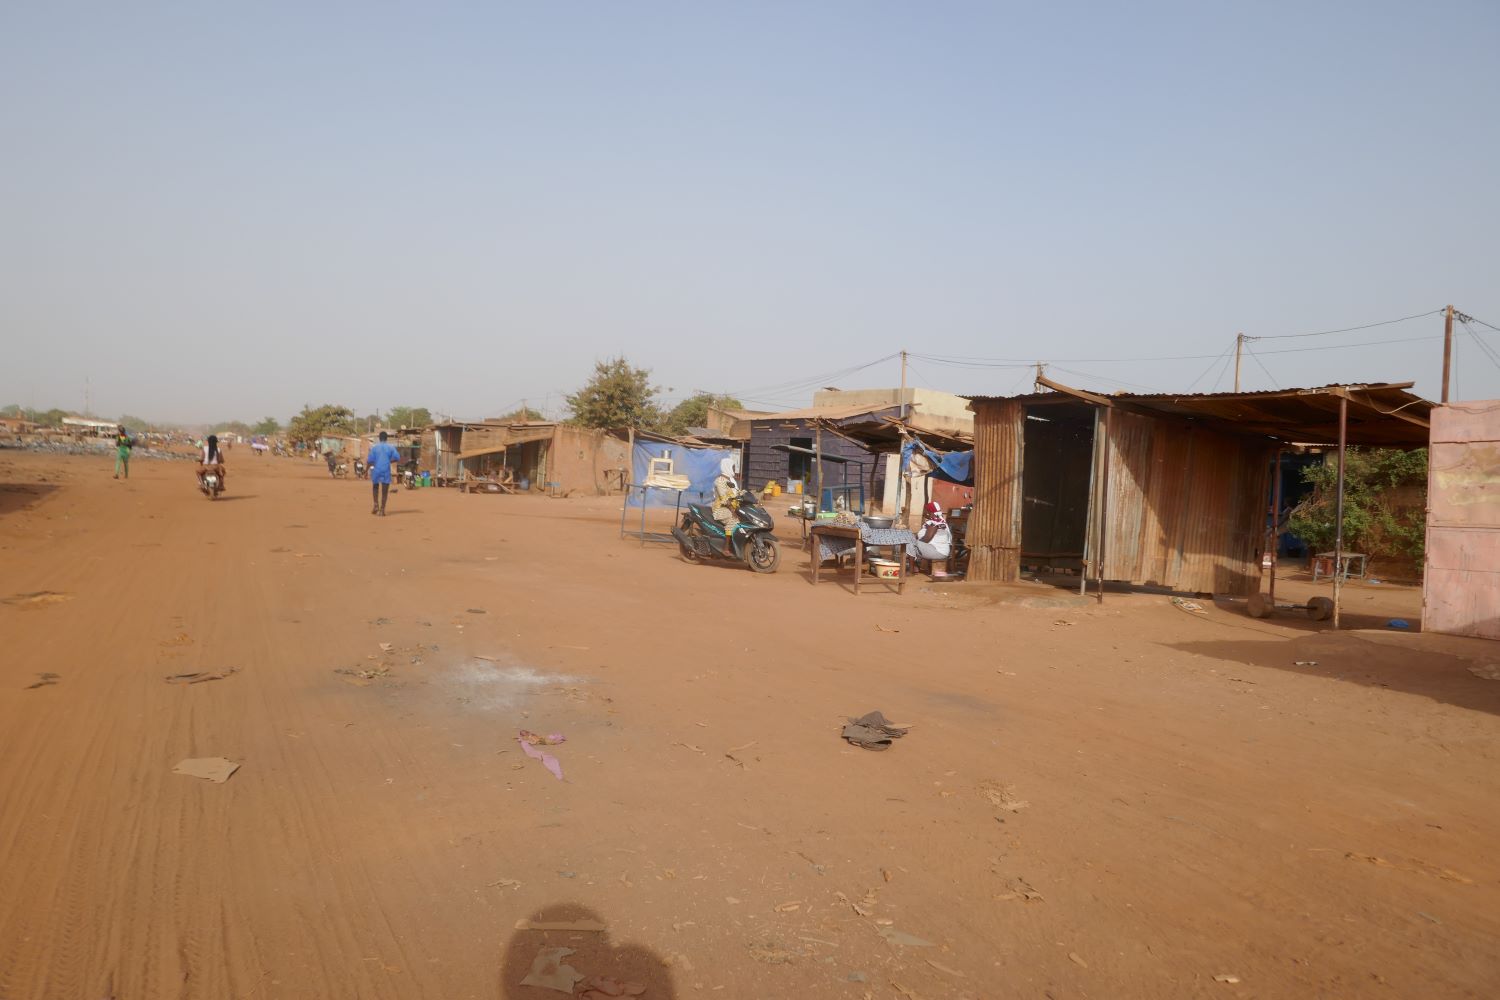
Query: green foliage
[
  {"x": 267, "y": 426},
  {"x": 47, "y": 418},
  {"x": 521, "y": 414},
  {"x": 134, "y": 424},
  {"x": 408, "y": 416},
  {"x": 1375, "y": 521},
  {"x": 13, "y": 410},
  {"x": 324, "y": 421},
  {"x": 693, "y": 411},
  {"x": 616, "y": 396},
  {"x": 230, "y": 427}
]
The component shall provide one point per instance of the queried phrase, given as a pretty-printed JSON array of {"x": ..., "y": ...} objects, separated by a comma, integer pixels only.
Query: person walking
[
  {"x": 381, "y": 460},
  {"x": 123, "y": 443}
]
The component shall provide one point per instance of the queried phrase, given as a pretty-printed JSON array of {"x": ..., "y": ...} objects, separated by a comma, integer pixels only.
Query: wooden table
[{"x": 849, "y": 531}]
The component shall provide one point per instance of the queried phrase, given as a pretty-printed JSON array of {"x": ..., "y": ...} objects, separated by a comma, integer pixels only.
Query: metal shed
[{"x": 1160, "y": 489}]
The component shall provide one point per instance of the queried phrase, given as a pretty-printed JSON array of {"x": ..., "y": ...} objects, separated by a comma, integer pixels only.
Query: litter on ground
[
  {"x": 550, "y": 972},
  {"x": 215, "y": 769}
]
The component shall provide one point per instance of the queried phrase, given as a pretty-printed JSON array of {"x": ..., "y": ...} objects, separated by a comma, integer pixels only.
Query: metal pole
[
  {"x": 1447, "y": 349},
  {"x": 1104, "y": 498},
  {"x": 1239, "y": 346},
  {"x": 818, "y": 462},
  {"x": 1338, "y": 508},
  {"x": 1275, "y": 532}
]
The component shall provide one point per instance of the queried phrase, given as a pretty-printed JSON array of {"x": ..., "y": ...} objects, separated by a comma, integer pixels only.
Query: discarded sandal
[{"x": 873, "y": 731}]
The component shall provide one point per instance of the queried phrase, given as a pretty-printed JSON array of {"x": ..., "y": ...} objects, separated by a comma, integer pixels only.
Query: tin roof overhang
[{"x": 1382, "y": 414}]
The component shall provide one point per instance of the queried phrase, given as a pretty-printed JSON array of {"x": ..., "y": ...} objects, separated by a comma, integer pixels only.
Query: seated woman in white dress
[{"x": 935, "y": 540}]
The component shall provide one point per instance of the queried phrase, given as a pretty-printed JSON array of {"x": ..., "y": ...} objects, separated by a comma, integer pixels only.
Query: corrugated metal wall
[
  {"x": 994, "y": 537},
  {"x": 1186, "y": 506}
]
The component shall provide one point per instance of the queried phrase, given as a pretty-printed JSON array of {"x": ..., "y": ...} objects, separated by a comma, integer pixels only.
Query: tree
[
  {"x": 616, "y": 396},
  {"x": 522, "y": 414},
  {"x": 133, "y": 424},
  {"x": 693, "y": 411},
  {"x": 312, "y": 424},
  {"x": 13, "y": 410},
  {"x": 231, "y": 427},
  {"x": 267, "y": 426},
  {"x": 1378, "y": 519},
  {"x": 408, "y": 416}
]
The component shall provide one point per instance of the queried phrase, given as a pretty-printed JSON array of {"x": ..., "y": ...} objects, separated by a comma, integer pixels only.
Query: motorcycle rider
[
  {"x": 211, "y": 457},
  {"x": 726, "y": 495}
]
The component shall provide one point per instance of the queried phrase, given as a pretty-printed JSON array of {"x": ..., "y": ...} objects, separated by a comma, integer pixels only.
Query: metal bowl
[{"x": 879, "y": 522}]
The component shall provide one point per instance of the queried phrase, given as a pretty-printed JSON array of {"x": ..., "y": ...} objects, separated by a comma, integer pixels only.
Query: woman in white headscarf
[{"x": 726, "y": 489}]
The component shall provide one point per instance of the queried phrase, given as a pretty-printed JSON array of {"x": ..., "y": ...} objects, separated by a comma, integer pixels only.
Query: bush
[{"x": 1385, "y": 503}]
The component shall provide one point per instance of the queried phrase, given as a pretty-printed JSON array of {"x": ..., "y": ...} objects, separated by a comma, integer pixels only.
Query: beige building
[{"x": 929, "y": 408}]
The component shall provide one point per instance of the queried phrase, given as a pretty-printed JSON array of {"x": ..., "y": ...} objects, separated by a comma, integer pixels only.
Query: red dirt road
[{"x": 1129, "y": 805}]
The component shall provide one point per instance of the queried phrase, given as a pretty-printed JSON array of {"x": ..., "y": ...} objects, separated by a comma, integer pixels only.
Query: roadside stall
[
  {"x": 665, "y": 471},
  {"x": 847, "y": 536}
]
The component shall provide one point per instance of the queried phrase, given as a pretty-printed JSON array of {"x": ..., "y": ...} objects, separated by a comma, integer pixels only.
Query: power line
[
  {"x": 1222, "y": 372},
  {"x": 1108, "y": 379},
  {"x": 1263, "y": 368},
  {"x": 1485, "y": 349},
  {"x": 1020, "y": 383},
  {"x": 1347, "y": 329},
  {"x": 802, "y": 383},
  {"x": 971, "y": 361},
  {"x": 1340, "y": 347},
  {"x": 1465, "y": 318},
  {"x": 1210, "y": 367}
]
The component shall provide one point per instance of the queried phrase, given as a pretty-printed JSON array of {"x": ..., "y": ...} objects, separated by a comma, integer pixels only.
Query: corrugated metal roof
[{"x": 1380, "y": 413}]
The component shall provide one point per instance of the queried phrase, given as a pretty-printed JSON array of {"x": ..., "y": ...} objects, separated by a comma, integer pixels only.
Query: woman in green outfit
[{"x": 123, "y": 444}]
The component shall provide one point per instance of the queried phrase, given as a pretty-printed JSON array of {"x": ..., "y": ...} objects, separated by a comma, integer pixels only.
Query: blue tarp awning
[
  {"x": 700, "y": 465},
  {"x": 955, "y": 466}
]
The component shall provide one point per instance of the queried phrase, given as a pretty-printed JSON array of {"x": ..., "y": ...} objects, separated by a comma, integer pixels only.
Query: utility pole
[
  {"x": 1239, "y": 346},
  {"x": 1037, "y": 384},
  {"x": 1447, "y": 349},
  {"x": 903, "y": 386}
]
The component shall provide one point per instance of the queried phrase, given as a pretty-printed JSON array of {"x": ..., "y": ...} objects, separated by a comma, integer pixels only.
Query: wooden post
[
  {"x": 1275, "y": 534},
  {"x": 1109, "y": 413},
  {"x": 902, "y": 411},
  {"x": 1447, "y": 351},
  {"x": 1338, "y": 508},
  {"x": 1239, "y": 346}
]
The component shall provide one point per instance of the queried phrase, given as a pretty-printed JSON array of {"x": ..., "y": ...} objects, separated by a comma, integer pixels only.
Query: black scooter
[{"x": 700, "y": 537}]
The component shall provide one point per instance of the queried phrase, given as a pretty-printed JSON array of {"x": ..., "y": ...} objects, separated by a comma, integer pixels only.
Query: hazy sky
[{"x": 217, "y": 211}]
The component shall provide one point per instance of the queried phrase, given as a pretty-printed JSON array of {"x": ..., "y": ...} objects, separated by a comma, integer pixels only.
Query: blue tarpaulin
[
  {"x": 955, "y": 466},
  {"x": 700, "y": 465}
]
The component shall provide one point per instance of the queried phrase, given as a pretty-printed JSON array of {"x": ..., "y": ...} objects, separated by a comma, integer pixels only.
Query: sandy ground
[{"x": 1126, "y": 800}]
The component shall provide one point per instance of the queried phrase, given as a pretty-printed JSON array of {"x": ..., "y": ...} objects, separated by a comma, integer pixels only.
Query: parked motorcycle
[
  {"x": 700, "y": 537},
  {"x": 210, "y": 482}
]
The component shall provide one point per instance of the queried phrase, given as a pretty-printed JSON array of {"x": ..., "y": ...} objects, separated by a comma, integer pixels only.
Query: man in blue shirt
[{"x": 383, "y": 457}]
